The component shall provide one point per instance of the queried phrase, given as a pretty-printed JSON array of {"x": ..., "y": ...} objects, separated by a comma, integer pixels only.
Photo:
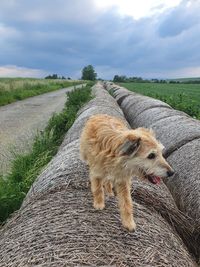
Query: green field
[
  {"x": 13, "y": 89},
  {"x": 185, "y": 97}
]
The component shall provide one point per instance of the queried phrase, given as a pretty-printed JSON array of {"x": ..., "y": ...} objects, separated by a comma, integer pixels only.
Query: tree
[
  {"x": 54, "y": 76},
  {"x": 119, "y": 79},
  {"x": 88, "y": 73}
]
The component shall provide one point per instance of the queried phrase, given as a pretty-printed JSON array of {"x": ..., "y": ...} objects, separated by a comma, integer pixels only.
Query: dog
[{"x": 114, "y": 154}]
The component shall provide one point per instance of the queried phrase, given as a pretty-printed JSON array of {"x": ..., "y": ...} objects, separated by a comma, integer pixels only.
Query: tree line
[
  {"x": 89, "y": 73},
  {"x": 55, "y": 77}
]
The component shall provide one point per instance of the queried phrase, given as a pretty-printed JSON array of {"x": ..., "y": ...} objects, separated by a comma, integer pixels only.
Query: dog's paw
[
  {"x": 99, "y": 206},
  {"x": 130, "y": 226}
]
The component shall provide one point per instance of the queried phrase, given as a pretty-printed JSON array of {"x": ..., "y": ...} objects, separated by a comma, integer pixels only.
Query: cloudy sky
[{"x": 148, "y": 38}]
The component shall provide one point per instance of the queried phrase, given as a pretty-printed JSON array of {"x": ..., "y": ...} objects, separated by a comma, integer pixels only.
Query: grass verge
[
  {"x": 26, "y": 167},
  {"x": 12, "y": 90}
]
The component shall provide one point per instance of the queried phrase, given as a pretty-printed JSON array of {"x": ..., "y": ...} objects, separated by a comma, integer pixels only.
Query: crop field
[
  {"x": 13, "y": 89},
  {"x": 185, "y": 97}
]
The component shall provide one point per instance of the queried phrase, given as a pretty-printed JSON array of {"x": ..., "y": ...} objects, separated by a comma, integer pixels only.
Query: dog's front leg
[
  {"x": 125, "y": 204},
  {"x": 109, "y": 188},
  {"x": 98, "y": 192}
]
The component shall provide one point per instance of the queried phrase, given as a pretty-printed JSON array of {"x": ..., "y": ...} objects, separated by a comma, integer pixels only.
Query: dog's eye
[{"x": 151, "y": 156}]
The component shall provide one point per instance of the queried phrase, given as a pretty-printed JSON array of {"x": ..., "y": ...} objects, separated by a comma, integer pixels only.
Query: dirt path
[{"x": 20, "y": 121}]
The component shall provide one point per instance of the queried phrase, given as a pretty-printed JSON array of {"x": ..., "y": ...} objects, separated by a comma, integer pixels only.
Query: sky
[{"x": 146, "y": 38}]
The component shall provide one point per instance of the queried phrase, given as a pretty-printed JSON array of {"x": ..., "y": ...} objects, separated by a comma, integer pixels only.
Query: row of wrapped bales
[
  {"x": 57, "y": 225},
  {"x": 180, "y": 135}
]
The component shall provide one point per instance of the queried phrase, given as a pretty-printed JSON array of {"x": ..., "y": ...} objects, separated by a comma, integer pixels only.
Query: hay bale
[
  {"x": 60, "y": 228},
  {"x": 185, "y": 185},
  {"x": 75, "y": 130},
  {"x": 118, "y": 92},
  {"x": 148, "y": 102},
  {"x": 176, "y": 131},
  {"x": 103, "y": 103},
  {"x": 57, "y": 226},
  {"x": 134, "y": 105},
  {"x": 166, "y": 122},
  {"x": 180, "y": 134},
  {"x": 147, "y": 119}
]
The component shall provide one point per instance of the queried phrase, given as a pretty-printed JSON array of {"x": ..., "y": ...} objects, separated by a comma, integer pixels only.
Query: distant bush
[
  {"x": 55, "y": 76},
  {"x": 124, "y": 79}
]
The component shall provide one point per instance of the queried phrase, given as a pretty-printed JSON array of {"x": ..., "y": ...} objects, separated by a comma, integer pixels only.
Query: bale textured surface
[
  {"x": 180, "y": 135},
  {"x": 147, "y": 119},
  {"x": 176, "y": 131},
  {"x": 57, "y": 225},
  {"x": 186, "y": 161},
  {"x": 141, "y": 104}
]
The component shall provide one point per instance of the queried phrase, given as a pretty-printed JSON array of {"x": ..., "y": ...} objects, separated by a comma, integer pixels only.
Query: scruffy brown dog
[{"x": 114, "y": 154}]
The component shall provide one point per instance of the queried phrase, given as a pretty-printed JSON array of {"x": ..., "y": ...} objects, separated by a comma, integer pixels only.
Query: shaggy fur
[{"x": 114, "y": 154}]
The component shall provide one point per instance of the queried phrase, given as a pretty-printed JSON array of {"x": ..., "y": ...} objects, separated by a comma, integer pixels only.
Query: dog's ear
[{"x": 130, "y": 147}]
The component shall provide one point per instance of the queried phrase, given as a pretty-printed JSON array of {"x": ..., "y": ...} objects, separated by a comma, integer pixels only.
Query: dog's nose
[{"x": 170, "y": 173}]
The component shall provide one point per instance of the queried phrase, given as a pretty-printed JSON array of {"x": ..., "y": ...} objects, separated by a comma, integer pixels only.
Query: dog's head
[{"x": 142, "y": 155}]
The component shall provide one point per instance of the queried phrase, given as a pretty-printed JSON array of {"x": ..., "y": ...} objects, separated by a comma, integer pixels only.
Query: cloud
[
  {"x": 137, "y": 9},
  {"x": 180, "y": 19},
  {"x": 7, "y": 32},
  {"x": 15, "y": 71},
  {"x": 48, "y": 11},
  {"x": 185, "y": 72},
  {"x": 63, "y": 36}
]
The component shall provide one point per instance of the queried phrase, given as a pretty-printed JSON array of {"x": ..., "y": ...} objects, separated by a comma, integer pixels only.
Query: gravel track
[{"x": 21, "y": 120}]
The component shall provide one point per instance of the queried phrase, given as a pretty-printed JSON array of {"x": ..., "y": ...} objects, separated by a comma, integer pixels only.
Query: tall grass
[
  {"x": 184, "y": 97},
  {"x": 12, "y": 90},
  {"x": 26, "y": 167}
]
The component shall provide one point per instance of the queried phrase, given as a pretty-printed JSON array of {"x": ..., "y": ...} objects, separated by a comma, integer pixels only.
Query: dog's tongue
[{"x": 154, "y": 179}]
